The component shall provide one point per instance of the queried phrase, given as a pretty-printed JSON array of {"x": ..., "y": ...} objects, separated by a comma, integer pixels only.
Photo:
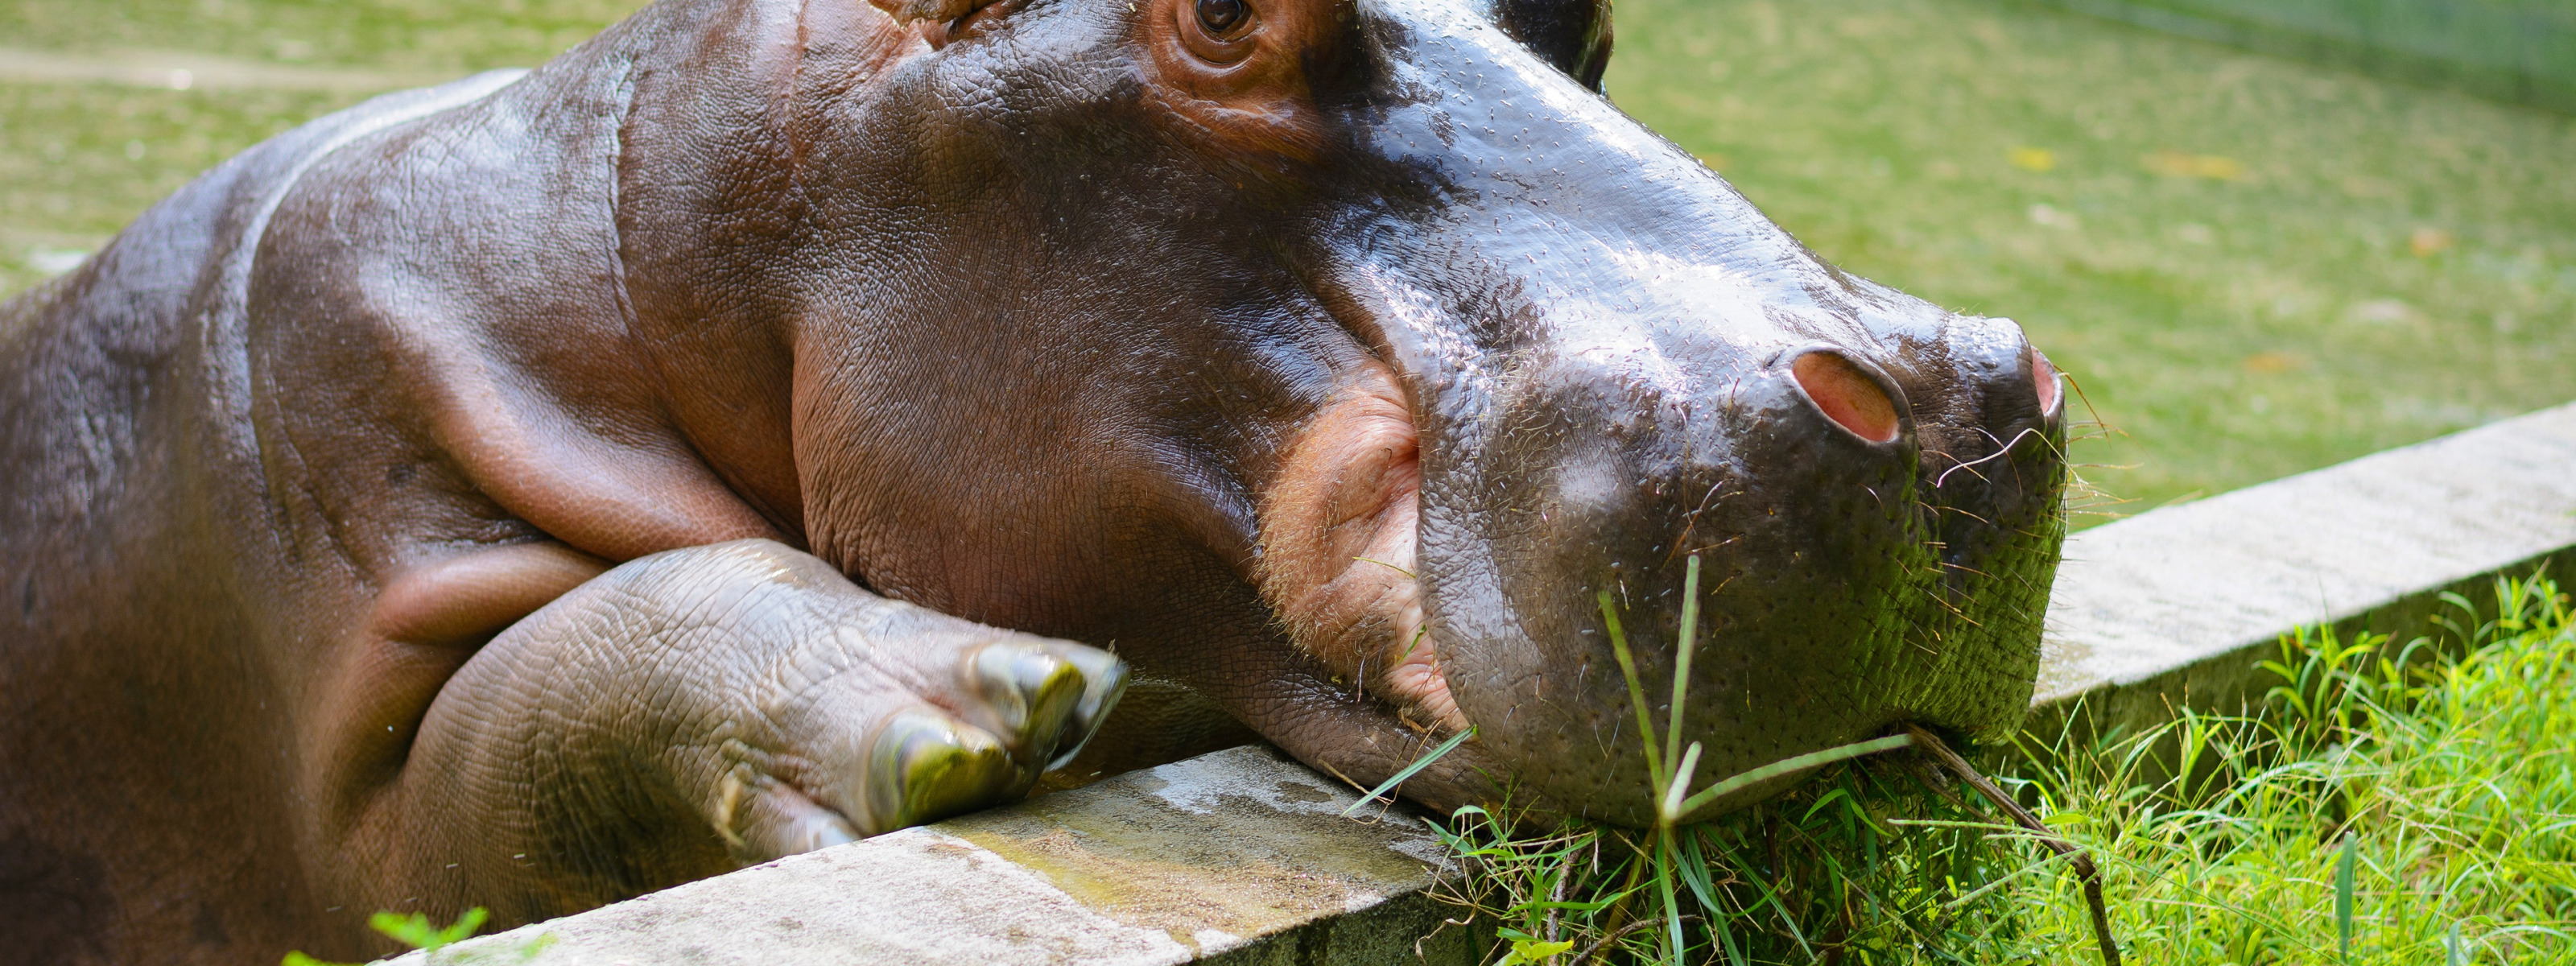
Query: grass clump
[{"x": 2385, "y": 805}]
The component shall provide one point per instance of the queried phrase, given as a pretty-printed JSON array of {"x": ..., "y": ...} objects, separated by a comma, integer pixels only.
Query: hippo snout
[{"x": 1875, "y": 519}]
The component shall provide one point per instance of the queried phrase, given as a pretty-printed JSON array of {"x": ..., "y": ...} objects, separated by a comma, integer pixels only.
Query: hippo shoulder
[{"x": 90, "y": 361}]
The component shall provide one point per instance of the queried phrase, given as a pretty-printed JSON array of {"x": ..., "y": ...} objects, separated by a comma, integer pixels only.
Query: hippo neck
[{"x": 711, "y": 221}]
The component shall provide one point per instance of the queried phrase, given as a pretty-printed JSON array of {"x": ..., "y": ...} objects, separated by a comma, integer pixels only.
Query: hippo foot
[
  {"x": 752, "y": 690},
  {"x": 865, "y": 715},
  {"x": 1021, "y": 706}
]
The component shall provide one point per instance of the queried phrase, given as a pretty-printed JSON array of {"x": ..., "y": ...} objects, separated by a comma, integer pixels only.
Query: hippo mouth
[{"x": 1341, "y": 551}]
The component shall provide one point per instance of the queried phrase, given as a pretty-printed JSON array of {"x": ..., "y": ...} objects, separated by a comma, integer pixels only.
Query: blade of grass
[
  {"x": 1410, "y": 770},
  {"x": 1694, "y": 868},
  {"x": 1671, "y": 805},
  {"x": 1787, "y": 765},
  {"x": 1665, "y": 860},
  {"x": 1682, "y": 662},
  {"x": 2343, "y": 894},
  {"x": 1636, "y": 691}
]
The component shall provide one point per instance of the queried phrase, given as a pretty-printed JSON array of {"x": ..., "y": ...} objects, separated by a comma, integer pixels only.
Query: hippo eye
[
  {"x": 1220, "y": 33},
  {"x": 1219, "y": 16}
]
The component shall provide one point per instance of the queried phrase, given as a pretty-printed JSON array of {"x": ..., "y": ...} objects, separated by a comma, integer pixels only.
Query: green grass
[
  {"x": 2522, "y": 51},
  {"x": 2233, "y": 329},
  {"x": 2423, "y": 807},
  {"x": 398, "y": 36},
  {"x": 80, "y": 160}
]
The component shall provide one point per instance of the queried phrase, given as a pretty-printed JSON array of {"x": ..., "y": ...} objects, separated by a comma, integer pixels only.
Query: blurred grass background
[
  {"x": 2518, "y": 50},
  {"x": 2254, "y": 265}
]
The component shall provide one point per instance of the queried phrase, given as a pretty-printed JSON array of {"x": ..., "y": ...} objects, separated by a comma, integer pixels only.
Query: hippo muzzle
[{"x": 1845, "y": 584}]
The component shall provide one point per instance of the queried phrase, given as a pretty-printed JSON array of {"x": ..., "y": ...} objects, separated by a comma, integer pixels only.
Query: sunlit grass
[
  {"x": 401, "y": 36},
  {"x": 2447, "y": 781},
  {"x": 78, "y": 161}
]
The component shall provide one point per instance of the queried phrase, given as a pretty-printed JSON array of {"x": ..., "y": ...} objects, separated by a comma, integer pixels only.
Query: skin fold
[{"x": 552, "y": 487}]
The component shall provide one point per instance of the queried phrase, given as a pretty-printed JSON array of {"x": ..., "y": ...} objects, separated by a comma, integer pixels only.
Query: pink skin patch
[
  {"x": 1847, "y": 395},
  {"x": 2043, "y": 377},
  {"x": 1338, "y": 540}
]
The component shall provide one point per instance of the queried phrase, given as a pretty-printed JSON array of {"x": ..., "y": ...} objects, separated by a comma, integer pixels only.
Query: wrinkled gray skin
[{"x": 541, "y": 490}]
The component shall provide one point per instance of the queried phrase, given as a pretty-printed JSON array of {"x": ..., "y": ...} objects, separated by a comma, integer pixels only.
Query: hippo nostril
[
  {"x": 1847, "y": 395},
  {"x": 2043, "y": 378}
]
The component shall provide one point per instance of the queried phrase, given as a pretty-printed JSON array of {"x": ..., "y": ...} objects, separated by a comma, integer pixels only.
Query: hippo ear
[{"x": 1572, "y": 34}]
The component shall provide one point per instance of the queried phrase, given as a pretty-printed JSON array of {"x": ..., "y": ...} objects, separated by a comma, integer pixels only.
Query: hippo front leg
[{"x": 704, "y": 708}]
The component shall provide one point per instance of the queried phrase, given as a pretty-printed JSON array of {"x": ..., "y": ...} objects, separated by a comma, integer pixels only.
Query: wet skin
[{"x": 538, "y": 491}]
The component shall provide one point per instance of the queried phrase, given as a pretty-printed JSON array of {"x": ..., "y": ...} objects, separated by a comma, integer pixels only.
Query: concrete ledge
[
  {"x": 1239, "y": 857},
  {"x": 2177, "y": 605}
]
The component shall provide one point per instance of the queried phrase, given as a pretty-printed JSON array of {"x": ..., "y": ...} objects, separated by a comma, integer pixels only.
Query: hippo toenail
[
  {"x": 1104, "y": 681},
  {"x": 1031, "y": 693},
  {"x": 926, "y": 766}
]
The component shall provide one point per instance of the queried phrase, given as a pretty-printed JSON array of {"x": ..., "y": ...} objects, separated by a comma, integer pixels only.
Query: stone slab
[
  {"x": 2178, "y": 605},
  {"x": 1239, "y": 857}
]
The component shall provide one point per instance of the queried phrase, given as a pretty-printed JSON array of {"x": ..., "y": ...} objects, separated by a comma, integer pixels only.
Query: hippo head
[{"x": 1356, "y": 347}]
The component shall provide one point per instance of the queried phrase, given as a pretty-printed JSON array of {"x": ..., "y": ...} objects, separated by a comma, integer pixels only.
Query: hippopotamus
[{"x": 776, "y": 422}]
